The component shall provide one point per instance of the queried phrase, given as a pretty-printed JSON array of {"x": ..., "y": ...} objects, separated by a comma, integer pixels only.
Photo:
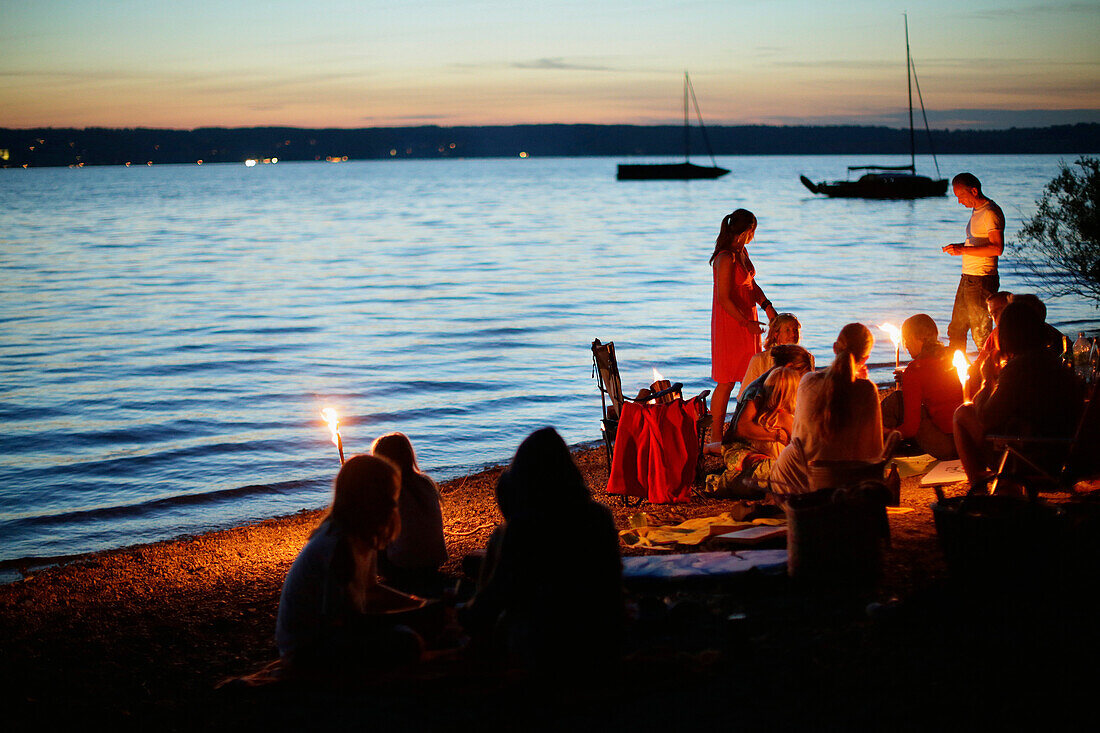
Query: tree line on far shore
[{"x": 103, "y": 146}]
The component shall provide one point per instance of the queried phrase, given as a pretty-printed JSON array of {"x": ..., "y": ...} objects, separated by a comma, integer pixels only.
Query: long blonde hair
[
  {"x": 780, "y": 389},
  {"x": 734, "y": 226},
  {"x": 853, "y": 345}
]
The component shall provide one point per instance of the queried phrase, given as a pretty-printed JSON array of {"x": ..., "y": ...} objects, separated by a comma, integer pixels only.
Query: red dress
[{"x": 731, "y": 343}]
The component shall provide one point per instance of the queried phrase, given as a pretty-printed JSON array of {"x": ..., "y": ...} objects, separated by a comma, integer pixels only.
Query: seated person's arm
[{"x": 748, "y": 429}]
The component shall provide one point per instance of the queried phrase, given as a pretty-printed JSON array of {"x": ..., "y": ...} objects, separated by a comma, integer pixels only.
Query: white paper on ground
[
  {"x": 754, "y": 534},
  {"x": 945, "y": 472}
]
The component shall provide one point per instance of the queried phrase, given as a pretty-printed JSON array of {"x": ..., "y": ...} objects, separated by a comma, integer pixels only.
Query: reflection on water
[{"x": 170, "y": 333}]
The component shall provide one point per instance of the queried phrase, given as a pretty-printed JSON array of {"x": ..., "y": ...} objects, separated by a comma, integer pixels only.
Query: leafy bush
[{"x": 1060, "y": 244}]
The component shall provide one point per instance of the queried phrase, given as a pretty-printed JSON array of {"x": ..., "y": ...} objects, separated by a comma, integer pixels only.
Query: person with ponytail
[
  {"x": 837, "y": 414},
  {"x": 333, "y": 612},
  {"x": 734, "y": 328},
  {"x": 929, "y": 391}
]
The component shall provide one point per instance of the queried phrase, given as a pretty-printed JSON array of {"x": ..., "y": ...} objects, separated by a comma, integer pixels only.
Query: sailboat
[
  {"x": 885, "y": 181},
  {"x": 685, "y": 171}
]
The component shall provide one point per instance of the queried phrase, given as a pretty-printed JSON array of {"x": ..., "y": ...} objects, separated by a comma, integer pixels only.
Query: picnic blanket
[
  {"x": 656, "y": 449},
  {"x": 691, "y": 532}
]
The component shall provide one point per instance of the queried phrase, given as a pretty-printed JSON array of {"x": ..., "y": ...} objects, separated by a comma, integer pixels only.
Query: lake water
[{"x": 169, "y": 334}]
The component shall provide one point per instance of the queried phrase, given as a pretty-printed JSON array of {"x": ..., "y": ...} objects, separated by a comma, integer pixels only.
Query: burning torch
[
  {"x": 333, "y": 421},
  {"x": 895, "y": 336}
]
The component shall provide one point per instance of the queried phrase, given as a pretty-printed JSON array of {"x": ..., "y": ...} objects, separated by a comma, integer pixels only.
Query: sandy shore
[{"x": 141, "y": 636}]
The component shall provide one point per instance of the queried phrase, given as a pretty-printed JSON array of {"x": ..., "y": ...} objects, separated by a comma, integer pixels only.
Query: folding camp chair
[
  {"x": 605, "y": 369},
  {"x": 1051, "y": 464}
]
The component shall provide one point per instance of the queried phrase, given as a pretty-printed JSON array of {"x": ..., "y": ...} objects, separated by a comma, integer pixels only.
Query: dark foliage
[{"x": 1060, "y": 244}]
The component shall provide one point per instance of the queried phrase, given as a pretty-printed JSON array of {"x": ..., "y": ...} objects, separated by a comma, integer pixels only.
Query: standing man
[{"x": 985, "y": 241}]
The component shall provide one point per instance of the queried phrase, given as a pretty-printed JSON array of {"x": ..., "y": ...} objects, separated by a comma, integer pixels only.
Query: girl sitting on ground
[
  {"x": 762, "y": 427},
  {"x": 333, "y": 613},
  {"x": 550, "y": 594},
  {"x": 929, "y": 391},
  {"x": 783, "y": 330},
  {"x": 413, "y": 558},
  {"x": 837, "y": 414}
]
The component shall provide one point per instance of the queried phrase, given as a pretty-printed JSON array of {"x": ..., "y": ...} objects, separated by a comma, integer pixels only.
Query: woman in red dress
[{"x": 734, "y": 330}]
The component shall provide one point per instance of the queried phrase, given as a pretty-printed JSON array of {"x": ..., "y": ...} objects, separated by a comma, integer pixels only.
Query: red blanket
[{"x": 656, "y": 449}]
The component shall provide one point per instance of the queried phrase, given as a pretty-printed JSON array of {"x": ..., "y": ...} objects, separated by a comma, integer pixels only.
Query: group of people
[
  {"x": 345, "y": 606},
  {"x": 788, "y": 415},
  {"x": 359, "y": 596}
]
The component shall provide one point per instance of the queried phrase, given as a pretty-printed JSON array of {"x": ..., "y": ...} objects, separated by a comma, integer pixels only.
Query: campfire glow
[
  {"x": 961, "y": 367},
  {"x": 895, "y": 336},
  {"x": 333, "y": 420}
]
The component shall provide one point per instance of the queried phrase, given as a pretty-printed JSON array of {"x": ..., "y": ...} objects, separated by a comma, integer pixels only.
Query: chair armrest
[{"x": 678, "y": 387}]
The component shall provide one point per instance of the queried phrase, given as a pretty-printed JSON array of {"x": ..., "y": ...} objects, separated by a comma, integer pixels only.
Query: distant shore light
[
  {"x": 393, "y": 151},
  {"x": 250, "y": 162},
  {"x": 274, "y": 160},
  {"x": 523, "y": 154}
]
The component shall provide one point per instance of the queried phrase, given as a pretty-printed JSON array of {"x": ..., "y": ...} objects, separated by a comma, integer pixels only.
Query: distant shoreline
[{"x": 51, "y": 147}]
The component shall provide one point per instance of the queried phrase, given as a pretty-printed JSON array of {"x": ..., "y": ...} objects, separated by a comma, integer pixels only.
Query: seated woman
[
  {"x": 550, "y": 594},
  {"x": 333, "y": 613},
  {"x": 925, "y": 401},
  {"x": 761, "y": 428},
  {"x": 837, "y": 414},
  {"x": 413, "y": 558},
  {"x": 1035, "y": 396},
  {"x": 783, "y": 330}
]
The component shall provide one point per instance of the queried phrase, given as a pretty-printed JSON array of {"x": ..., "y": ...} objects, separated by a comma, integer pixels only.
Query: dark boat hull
[
  {"x": 880, "y": 186},
  {"x": 668, "y": 172}
]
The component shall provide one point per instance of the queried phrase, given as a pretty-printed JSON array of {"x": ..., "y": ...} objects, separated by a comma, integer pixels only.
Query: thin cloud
[
  {"x": 558, "y": 64},
  {"x": 1029, "y": 11}
]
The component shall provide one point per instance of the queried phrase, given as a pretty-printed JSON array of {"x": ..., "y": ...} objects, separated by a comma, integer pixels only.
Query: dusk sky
[{"x": 339, "y": 63}]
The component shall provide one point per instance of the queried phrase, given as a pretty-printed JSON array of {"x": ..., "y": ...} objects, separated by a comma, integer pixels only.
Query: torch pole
[
  {"x": 897, "y": 356},
  {"x": 340, "y": 447}
]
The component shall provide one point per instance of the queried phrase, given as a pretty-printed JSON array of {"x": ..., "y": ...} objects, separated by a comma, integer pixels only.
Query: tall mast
[
  {"x": 687, "y": 139},
  {"x": 909, "y": 83}
]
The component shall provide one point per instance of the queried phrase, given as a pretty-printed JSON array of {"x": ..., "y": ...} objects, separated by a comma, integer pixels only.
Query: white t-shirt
[{"x": 983, "y": 220}]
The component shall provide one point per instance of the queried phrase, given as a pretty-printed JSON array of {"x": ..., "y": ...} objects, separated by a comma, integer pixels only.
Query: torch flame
[
  {"x": 893, "y": 332},
  {"x": 333, "y": 420},
  {"x": 657, "y": 375},
  {"x": 961, "y": 366}
]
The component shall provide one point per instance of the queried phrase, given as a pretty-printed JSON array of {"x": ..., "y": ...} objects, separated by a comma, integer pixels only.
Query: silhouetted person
[
  {"x": 985, "y": 241},
  {"x": 413, "y": 558},
  {"x": 334, "y": 615},
  {"x": 1036, "y": 396},
  {"x": 551, "y": 594}
]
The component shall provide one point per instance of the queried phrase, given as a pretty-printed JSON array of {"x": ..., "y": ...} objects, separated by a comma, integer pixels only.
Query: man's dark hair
[
  {"x": 1021, "y": 328},
  {"x": 1031, "y": 300},
  {"x": 967, "y": 179}
]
